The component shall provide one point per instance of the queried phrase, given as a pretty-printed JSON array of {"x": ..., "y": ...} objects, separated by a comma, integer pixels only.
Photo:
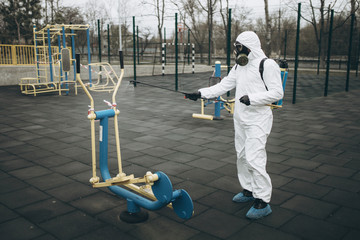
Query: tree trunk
[
  {"x": 18, "y": 31},
  {"x": 268, "y": 29}
]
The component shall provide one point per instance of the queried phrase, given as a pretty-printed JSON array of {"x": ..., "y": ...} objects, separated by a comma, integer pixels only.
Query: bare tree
[
  {"x": 268, "y": 29},
  {"x": 315, "y": 15},
  {"x": 93, "y": 11},
  {"x": 52, "y": 7},
  {"x": 224, "y": 13},
  {"x": 209, "y": 9},
  {"x": 240, "y": 20},
  {"x": 159, "y": 8},
  {"x": 195, "y": 23}
]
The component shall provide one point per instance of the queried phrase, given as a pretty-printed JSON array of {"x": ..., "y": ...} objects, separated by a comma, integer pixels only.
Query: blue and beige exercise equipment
[
  {"x": 153, "y": 191},
  {"x": 220, "y": 103}
]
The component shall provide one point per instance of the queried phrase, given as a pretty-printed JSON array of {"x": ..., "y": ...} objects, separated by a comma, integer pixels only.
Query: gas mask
[{"x": 241, "y": 54}]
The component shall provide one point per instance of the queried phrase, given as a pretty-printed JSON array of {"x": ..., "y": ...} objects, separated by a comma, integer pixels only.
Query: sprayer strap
[{"x": 261, "y": 70}]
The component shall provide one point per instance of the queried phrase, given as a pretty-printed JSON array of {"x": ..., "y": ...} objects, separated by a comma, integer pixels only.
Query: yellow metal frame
[
  {"x": 32, "y": 86},
  {"x": 40, "y": 83},
  {"x": 202, "y": 115},
  {"x": 228, "y": 104},
  {"x": 109, "y": 73},
  {"x": 17, "y": 54}
]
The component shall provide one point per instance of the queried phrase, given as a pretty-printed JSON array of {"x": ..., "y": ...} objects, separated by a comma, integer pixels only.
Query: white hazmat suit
[{"x": 252, "y": 123}]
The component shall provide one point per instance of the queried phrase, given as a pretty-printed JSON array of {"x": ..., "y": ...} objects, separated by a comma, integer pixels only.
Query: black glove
[
  {"x": 245, "y": 100},
  {"x": 193, "y": 96}
]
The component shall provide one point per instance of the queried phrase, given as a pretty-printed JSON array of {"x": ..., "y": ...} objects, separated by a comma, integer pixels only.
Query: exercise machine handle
[
  {"x": 121, "y": 59},
  {"x": 77, "y": 57}
]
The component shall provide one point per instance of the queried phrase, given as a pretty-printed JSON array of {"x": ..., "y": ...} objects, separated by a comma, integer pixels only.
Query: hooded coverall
[{"x": 252, "y": 123}]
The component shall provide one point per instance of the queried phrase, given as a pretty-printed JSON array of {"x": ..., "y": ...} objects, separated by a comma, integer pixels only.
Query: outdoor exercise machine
[
  {"x": 153, "y": 191},
  {"x": 220, "y": 103},
  {"x": 49, "y": 59},
  {"x": 109, "y": 83}
]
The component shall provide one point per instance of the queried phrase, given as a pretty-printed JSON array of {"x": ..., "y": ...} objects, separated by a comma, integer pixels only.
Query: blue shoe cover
[
  {"x": 241, "y": 198},
  {"x": 254, "y": 213}
]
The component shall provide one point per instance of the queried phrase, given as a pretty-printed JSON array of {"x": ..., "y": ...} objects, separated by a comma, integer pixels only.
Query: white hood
[{"x": 251, "y": 41}]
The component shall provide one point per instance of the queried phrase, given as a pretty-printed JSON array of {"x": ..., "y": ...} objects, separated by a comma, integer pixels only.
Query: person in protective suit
[{"x": 253, "y": 118}]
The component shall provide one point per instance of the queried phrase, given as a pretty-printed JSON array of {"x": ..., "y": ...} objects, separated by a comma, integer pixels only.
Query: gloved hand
[
  {"x": 193, "y": 96},
  {"x": 245, "y": 100}
]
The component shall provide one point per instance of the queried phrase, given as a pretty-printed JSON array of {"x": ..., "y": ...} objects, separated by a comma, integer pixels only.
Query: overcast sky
[
  {"x": 145, "y": 20},
  {"x": 142, "y": 13}
]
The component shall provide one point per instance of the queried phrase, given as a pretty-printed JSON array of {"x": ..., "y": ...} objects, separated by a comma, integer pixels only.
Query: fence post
[
  {"x": 209, "y": 52},
  {"x": 89, "y": 54},
  {"x": 163, "y": 58},
  {"x": 296, "y": 53},
  {"x": 137, "y": 44},
  {"x": 99, "y": 42},
  {"x": 329, "y": 54},
  {"x": 13, "y": 55},
  {"x": 108, "y": 36},
  {"x": 165, "y": 45},
  {"x": 176, "y": 53},
  {"x": 228, "y": 42},
  {"x": 349, "y": 52},
  {"x": 285, "y": 44},
  {"x": 357, "y": 56},
  {"x": 99, "y": 39},
  {"x": 188, "y": 47},
  {"x": 228, "y": 46},
  {"x": 134, "y": 51},
  {"x": 193, "y": 57}
]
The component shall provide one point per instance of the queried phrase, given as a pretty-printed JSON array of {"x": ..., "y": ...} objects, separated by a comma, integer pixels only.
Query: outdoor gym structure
[
  {"x": 49, "y": 59},
  {"x": 154, "y": 190}
]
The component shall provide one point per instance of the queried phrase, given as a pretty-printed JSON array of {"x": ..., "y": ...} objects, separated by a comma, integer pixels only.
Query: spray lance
[
  {"x": 167, "y": 89},
  {"x": 192, "y": 96}
]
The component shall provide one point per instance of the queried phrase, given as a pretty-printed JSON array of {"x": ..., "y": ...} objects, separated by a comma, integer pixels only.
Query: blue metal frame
[
  {"x": 284, "y": 75},
  {"x": 50, "y": 56},
  {"x": 162, "y": 188},
  {"x": 217, "y": 103}
]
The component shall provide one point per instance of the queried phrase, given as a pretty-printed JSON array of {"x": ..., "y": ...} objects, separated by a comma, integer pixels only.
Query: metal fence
[
  {"x": 17, "y": 54},
  {"x": 24, "y": 54}
]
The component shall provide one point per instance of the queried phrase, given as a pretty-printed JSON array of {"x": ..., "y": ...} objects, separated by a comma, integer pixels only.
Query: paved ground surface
[{"x": 313, "y": 160}]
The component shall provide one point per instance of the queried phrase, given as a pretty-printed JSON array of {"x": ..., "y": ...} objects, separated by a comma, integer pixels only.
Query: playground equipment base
[
  {"x": 137, "y": 217},
  {"x": 203, "y": 116},
  {"x": 218, "y": 118}
]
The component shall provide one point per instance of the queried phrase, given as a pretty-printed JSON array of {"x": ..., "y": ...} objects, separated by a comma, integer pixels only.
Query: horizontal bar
[{"x": 104, "y": 113}]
